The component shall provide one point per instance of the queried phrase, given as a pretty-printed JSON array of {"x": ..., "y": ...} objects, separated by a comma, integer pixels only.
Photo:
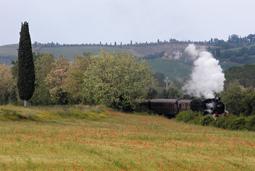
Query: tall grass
[
  {"x": 15, "y": 113},
  {"x": 118, "y": 141}
]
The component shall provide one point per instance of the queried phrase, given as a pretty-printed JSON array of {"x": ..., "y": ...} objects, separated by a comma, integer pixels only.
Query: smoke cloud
[{"x": 207, "y": 76}]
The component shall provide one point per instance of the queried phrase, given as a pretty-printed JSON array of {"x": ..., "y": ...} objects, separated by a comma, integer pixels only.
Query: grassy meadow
[{"x": 97, "y": 138}]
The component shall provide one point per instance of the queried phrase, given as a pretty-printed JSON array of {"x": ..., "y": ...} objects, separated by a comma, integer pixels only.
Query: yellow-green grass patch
[{"x": 121, "y": 141}]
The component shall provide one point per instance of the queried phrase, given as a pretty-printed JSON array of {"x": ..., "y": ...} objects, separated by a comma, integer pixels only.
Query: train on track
[{"x": 171, "y": 107}]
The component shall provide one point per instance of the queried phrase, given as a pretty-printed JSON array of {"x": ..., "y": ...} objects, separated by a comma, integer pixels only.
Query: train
[{"x": 171, "y": 107}]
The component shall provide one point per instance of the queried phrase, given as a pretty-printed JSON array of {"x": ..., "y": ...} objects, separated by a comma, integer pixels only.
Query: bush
[
  {"x": 221, "y": 122},
  {"x": 239, "y": 99},
  {"x": 250, "y": 123},
  {"x": 187, "y": 116},
  {"x": 237, "y": 123},
  {"x": 206, "y": 120},
  {"x": 226, "y": 122}
]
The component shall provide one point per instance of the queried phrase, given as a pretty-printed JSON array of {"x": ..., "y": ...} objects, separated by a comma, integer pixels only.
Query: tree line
[{"x": 116, "y": 79}]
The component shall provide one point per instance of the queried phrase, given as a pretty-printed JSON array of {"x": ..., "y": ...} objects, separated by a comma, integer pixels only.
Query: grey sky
[{"x": 91, "y": 21}]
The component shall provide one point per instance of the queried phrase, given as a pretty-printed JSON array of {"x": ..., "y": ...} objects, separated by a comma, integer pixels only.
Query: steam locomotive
[
  {"x": 208, "y": 106},
  {"x": 170, "y": 107}
]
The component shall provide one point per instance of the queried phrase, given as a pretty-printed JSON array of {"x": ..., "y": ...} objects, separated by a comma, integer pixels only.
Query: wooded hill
[{"x": 166, "y": 57}]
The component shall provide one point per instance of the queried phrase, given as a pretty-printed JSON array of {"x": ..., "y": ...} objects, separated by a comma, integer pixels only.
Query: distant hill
[
  {"x": 163, "y": 56},
  {"x": 167, "y": 50},
  {"x": 8, "y": 53}
]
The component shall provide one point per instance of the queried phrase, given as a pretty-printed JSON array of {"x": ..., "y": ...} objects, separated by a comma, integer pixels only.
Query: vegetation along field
[{"x": 51, "y": 139}]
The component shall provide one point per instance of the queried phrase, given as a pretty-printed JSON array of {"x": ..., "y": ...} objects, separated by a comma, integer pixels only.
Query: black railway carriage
[{"x": 168, "y": 107}]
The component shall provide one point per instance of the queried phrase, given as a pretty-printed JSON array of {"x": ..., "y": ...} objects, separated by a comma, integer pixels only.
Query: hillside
[
  {"x": 174, "y": 69},
  {"x": 165, "y": 57},
  {"x": 159, "y": 55},
  {"x": 244, "y": 75},
  {"x": 169, "y": 50},
  {"x": 119, "y": 141}
]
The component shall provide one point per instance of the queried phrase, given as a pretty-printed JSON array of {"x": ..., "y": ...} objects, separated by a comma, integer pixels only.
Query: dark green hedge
[{"x": 231, "y": 122}]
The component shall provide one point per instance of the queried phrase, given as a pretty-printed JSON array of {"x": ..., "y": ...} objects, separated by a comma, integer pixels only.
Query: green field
[{"x": 50, "y": 138}]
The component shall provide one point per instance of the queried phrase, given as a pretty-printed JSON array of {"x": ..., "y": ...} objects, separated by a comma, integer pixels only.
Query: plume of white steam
[
  {"x": 192, "y": 51},
  {"x": 207, "y": 76}
]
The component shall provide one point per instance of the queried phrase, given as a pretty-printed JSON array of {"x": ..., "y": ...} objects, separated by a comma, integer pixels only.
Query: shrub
[
  {"x": 187, "y": 116},
  {"x": 231, "y": 122},
  {"x": 239, "y": 99},
  {"x": 250, "y": 123},
  {"x": 206, "y": 120},
  {"x": 221, "y": 122},
  {"x": 237, "y": 123}
]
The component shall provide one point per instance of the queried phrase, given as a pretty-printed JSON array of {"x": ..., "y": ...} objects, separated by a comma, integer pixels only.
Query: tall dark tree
[{"x": 26, "y": 70}]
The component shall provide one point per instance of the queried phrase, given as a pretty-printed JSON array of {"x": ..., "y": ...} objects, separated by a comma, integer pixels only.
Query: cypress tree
[{"x": 26, "y": 70}]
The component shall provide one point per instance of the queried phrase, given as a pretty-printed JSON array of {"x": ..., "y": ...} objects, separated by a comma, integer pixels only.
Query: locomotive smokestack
[{"x": 207, "y": 76}]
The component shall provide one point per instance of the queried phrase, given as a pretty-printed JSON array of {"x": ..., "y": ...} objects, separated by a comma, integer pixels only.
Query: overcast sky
[{"x": 92, "y": 21}]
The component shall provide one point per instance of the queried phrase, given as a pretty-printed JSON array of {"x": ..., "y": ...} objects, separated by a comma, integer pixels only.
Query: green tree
[
  {"x": 117, "y": 80},
  {"x": 56, "y": 80},
  {"x": 74, "y": 79},
  {"x": 239, "y": 100},
  {"x": 26, "y": 71},
  {"x": 43, "y": 66},
  {"x": 7, "y": 88},
  {"x": 232, "y": 98}
]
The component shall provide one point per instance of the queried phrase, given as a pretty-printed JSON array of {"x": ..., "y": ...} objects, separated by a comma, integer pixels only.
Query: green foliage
[
  {"x": 56, "y": 113},
  {"x": 152, "y": 93},
  {"x": 187, "y": 116},
  {"x": 56, "y": 80},
  {"x": 226, "y": 122},
  {"x": 232, "y": 97},
  {"x": 237, "y": 50},
  {"x": 221, "y": 122},
  {"x": 206, "y": 120},
  {"x": 237, "y": 123},
  {"x": 172, "y": 92},
  {"x": 26, "y": 71},
  {"x": 239, "y": 99},
  {"x": 230, "y": 122},
  {"x": 74, "y": 80},
  {"x": 7, "y": 85},
  {"x": 165, "y": 88},
  {"x": 43, "y": 66},
  {"x": 250, "y": 123},
  {"x": 117, "y": 80},
  {"x": 243, "y": 75}
]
